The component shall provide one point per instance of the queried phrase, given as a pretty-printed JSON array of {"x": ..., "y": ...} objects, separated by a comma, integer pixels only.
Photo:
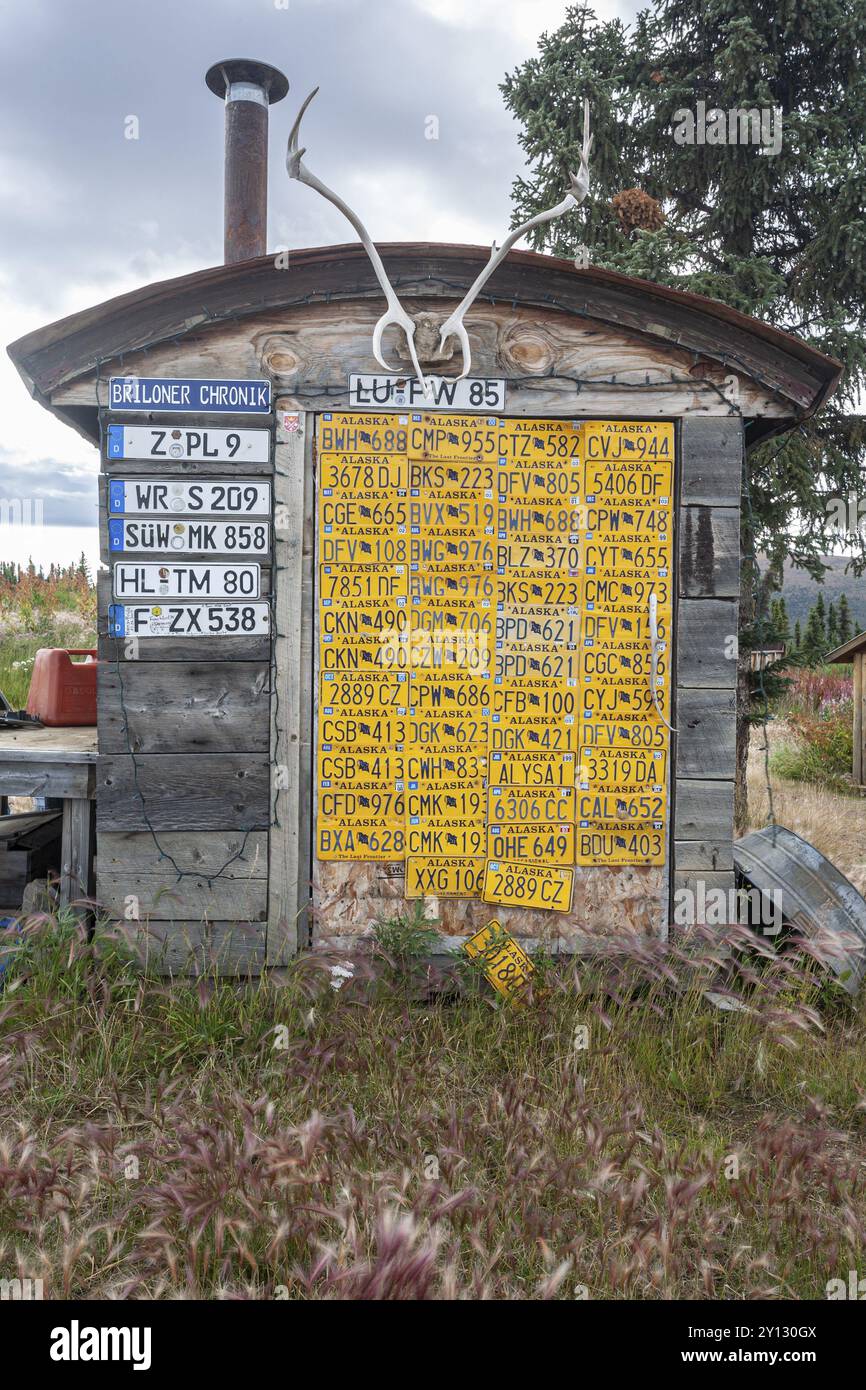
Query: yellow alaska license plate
[
  {"x": 425, "y": 551},
  {"x": 379, "y": 768},
  {"x": 627, "y": 593},
  {"x": 349, "y": 584},
  {"x": 374, "y": 693},
  {"x": 340, "y": 516},
  {"x": 466, "y": 438},
  {"x": 618, "y": 738},
  {"x": 362, "y": 621},
  {"x": 538, "y": 626},
  {"x": 549, "y": 844},
  {"x": 506, "y": 965},
  {"x": 373, "y": 548},
  {"x": 351, "y": 475},
  {"x": 436, "y": 841},
  {"x": 444, "y": 878},
  {"x": 454, "y": 516},
  {"x": 390, "y": 652},
  {"x": 627, "y": 441},
  {"x": 362, "y": 730},
  {"x": 440, "y": 731},
  {"x": 546, "y": 733},
  {"x": 444, "y": 769},
  {"x": 645, "y": 559},
  {"x": 468, "y": 584},
  {"x": 520, "y": 588},
  {"x": 612, "y": 702},
  {"x": 540, "y": 484},
  {"x": 523, "y": 700},
  {"x": 607, "y": 630},
  {"x": 620, "y": 844},
  {"x": 532, "y": 441},
  {"x": 538, "y": 806},
  {"x": 622, "y": 770},
  {"x": 617, "y": 666},
  {"x": 516, "y": 884},
  {"x": 439, "y": 805},
  {"x": 385, "y": 842},
  {"x": 460, "y": 692},
  {"x": 512, "y": 662},
  {"x": 343, "y": 805},
  {"x": 623, "y": 807},
  {"x": 537, "y": 522},
  {"x": 454, "y": 476},
  {"x": 629, "y": 523},
  {"x": 529, "y": 552},
  {"x": 339, "y": 432},
  {"x": 531, "y": 769}
]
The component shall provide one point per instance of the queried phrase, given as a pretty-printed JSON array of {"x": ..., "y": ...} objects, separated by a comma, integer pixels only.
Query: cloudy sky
[{"x": 88, "y": 214}]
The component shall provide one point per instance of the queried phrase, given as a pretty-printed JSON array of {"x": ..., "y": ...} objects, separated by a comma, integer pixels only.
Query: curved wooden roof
[{"x": 72, "y": 347}]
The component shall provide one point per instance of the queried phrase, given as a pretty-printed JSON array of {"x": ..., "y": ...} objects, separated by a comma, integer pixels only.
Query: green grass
[{"x": 382, "y": 1141}]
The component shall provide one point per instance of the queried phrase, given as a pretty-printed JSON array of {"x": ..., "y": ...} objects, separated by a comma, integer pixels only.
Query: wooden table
[{"x": 58, "y": 763}]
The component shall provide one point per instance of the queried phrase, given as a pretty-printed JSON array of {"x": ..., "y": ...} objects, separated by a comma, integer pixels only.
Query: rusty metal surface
[{"x": 813, "y": 896}]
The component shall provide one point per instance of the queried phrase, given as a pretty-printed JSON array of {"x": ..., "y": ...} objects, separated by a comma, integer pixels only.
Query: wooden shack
[
  {"x": 214, "y": 835},
  {"x": 853, "y": 654}
]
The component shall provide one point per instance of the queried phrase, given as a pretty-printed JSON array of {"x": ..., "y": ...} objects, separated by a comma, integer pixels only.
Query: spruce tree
[
  {"x": 780, "y": 236},
  {"x": 798, "y": 639},
  {"x": 832, "y": 628},
  {"x": 843, "y": 622}
]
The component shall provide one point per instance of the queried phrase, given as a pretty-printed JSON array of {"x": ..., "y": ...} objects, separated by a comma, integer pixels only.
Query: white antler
[
  {"x": 453, "y": 325},
  {"x": 395, "y": 313}
]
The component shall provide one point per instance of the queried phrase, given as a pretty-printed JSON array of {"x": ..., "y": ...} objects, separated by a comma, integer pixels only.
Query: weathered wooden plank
[
  {"x": 703, "y": 810},
  {"x": 707, "y": 643},
  {"x": 232, "y": 854},
  {"x": 709, "y": 552},
  {"x": 712, "y": 461},
  {"x": 164, "y": 897},
  {"x": 42, "y": 777},
  {"x": 194, "y": 947},
  {"x": 76, "y": 855},
  {"x": 184, "y": 707},
  {"x": 289, "y": 453},
  {"x": 195, "y": 791},
  {"x": 706, "y": 733},
  {"x": 703, "y": 854},
  {"x": 157, "y": 316},
  {"x": 696, "y": 901}
]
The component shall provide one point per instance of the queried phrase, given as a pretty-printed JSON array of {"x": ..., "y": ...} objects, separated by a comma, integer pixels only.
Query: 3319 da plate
[{"x": 513, "y": 883}]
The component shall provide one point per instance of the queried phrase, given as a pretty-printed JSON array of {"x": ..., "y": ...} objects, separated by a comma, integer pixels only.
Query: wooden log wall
[
  {"x": 706, "y": 686},
  {"x": 183, "y": 774}
]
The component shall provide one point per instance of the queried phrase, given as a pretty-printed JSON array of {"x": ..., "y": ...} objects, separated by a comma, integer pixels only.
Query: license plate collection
[{"x": 492, "y": 690}]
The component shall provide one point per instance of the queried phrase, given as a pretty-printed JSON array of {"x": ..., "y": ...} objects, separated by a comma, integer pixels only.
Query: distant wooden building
[
  {"x": 853, "y": 654},
  {"x": 763, "y": 657}
]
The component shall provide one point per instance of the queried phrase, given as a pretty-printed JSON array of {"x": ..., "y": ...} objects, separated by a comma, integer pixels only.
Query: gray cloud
[{"x": 68, "y": 494}]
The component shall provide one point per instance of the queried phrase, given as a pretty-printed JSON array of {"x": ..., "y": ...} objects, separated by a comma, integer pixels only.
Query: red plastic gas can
[{"x": 63, "y": 691}]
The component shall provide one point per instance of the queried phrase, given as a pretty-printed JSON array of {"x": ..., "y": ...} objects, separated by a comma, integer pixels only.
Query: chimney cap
[{"x": 274, "y": 83}]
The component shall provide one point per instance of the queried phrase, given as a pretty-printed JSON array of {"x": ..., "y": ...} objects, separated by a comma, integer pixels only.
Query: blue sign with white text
[{"x": 193, "y": 395}]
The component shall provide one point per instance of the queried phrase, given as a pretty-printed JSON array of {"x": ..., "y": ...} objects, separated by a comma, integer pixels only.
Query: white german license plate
[
  {"x": 217, "y": 446},
  {"x": 192, "y": 537},
  {"x": 188, "y": 620},
  {"x": 155, "y": 581},
  {"x": 164, "y": 496}
]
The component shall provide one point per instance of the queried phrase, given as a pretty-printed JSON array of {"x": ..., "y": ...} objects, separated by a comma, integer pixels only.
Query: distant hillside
[{"x": 800, "y": 591}]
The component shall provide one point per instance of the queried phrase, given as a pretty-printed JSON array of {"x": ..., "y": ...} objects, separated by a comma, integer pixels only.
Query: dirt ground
[{"x": 834, "y": 824}]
